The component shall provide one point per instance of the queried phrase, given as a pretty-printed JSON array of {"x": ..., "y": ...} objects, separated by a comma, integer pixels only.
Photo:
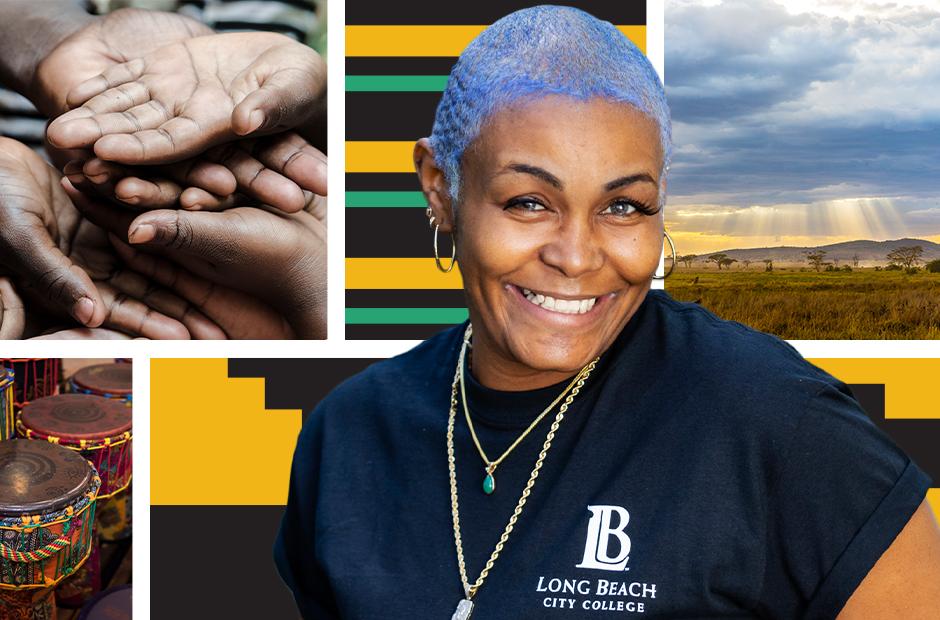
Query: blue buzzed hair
[{"x": 539, "y": 51}]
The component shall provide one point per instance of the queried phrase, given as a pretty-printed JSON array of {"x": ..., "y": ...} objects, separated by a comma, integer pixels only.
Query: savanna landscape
[{"x": 821, "y": 296}]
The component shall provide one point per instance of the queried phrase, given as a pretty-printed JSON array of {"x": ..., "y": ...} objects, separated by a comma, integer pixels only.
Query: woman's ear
[{"x": 433, "y": 185}]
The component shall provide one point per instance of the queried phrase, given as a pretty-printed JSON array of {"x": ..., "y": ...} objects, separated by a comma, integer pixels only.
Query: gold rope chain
[{"x": 578, "y": 381}]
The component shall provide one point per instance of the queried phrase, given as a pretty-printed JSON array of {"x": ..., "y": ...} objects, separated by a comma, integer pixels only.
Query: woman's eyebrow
[
  {"x": 535, "y": 171},
  {"x": 628, "y": 180}
]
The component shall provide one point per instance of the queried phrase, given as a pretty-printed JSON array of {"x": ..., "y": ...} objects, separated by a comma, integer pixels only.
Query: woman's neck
[{"x": 500, "y": 372}]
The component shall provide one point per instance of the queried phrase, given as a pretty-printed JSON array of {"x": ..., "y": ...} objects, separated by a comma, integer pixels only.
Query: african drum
[
  {"x": 6, "y": 403},
  {"x": 113, "y": 604},
  {"x": 108, "y": 380},
  {"x": 96, "y": 427},
  {"x": 47, "y": 513},
  {"x": 34, "y": 378},
  {"x": 114, "y": 517}
]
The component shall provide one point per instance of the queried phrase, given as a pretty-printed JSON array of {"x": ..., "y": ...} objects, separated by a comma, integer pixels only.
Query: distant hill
[{"x": 868, "y": 252}]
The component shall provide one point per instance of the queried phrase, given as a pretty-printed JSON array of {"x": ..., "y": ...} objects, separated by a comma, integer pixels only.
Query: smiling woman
[{"x": 583, "y": 444}]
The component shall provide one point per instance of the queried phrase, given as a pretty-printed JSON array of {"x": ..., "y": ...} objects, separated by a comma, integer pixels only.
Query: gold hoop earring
[
  {"x": 672, "y": 266},
  {"x": 437, "y": 257}
]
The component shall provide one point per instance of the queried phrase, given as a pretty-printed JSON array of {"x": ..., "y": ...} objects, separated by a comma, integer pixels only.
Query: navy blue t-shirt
[{"x": 705, "y": 470}]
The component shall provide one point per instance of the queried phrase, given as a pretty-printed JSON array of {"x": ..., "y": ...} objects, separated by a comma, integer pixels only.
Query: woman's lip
[{"x": 562, "y": 317}]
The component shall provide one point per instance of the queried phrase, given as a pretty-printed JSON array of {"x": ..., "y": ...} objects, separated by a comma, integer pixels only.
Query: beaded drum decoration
[
  {"x": 96, "y": 427},
  {"x": 47, "y": 515},
  {"x": 107, "y": 380},
  {"x": 110, "y": 604},
  {"x": 34, "y": 378},
  {"x": 6, "y": 403}
]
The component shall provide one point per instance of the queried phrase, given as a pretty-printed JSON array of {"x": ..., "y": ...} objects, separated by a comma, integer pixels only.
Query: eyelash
[{"x": 522, "y": 202}]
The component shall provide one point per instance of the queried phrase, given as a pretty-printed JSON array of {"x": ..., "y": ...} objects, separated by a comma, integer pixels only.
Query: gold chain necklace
[
  {"x": 465, "y": 607},
  {"x": 489, "y": 482}
]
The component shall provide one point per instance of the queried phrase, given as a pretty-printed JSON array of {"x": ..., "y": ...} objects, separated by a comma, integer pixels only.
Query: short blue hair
[{"x": 543, "y": 50}]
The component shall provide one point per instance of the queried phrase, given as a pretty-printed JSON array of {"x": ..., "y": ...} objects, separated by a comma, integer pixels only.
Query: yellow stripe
[
  {"x": 933, "y": 497},
  {"x": 399, "y": 273},
  {"x": 213, "y": 442},
  {"x": 909, "y": 388},
  {"x": 380, "y": 156},
  {"x": 433, "y": 40}
]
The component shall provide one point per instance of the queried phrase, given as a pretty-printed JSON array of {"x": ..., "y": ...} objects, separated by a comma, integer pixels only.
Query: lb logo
[{"x": 605, "y": 535}]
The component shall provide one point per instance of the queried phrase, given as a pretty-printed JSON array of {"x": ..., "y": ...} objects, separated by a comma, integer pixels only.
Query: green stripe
[
  {"x": 405, "y": 316},
  {"x": 385, "y": 199},
  {"x": 395, "y": 83}
]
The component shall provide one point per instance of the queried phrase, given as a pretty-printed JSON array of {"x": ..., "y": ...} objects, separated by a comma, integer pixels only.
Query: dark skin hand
[
  {"x": 274, "y": 256},
  {"x": 12, "y": 314},
  {"x": 186, "y": 97},
  {"x": 64, "y": 264}
]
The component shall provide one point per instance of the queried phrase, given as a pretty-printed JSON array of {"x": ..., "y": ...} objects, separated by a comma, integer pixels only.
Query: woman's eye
[
  {"x": 526, "y": 205},
  {"x": 620, "y": 208}
]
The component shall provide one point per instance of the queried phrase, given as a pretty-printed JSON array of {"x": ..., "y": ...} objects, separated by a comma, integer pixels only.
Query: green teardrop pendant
[{"x": 489, "y": 484}]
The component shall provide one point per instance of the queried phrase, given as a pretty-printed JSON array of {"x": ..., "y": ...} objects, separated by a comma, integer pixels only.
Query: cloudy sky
[{"x": 801, "y": 122}]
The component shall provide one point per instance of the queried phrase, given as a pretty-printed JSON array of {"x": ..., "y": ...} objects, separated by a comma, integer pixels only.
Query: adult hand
[
  {"x": 182, "y": 99},
  {"x": 12, "y": 315},
  {"x": 276, "y": 170},
  {"x": 83, "y": 333},
  {"x": 274, "y": 256},
  {"x": 63, "y": 263}
]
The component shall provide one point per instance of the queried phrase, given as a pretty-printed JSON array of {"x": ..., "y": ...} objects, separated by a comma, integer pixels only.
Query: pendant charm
[
  {"x": 464, "y": 609},
  {"x": 489, "y": 484}
]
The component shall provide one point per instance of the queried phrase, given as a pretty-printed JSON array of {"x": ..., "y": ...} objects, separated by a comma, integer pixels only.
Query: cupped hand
[
  {"x": 63, "y": 264},
  {"x": 104, "y": 43},
  {"x": 279, "y": 171},
  {"x": 184, "y": 98},
  {"x": 274, "y": 256},
  {"x": 12, "y": 314}
]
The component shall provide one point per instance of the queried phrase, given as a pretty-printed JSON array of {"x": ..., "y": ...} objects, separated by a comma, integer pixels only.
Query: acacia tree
[
  {"x": 717, "y": 259},
  {"x": 727, "y": 262},
  {"x": 855, "y": 260},
  {"x": 906, "y": 256},
  {"x": 746, "y": 263},
  {"x": 687, "y": 259},
  {"x": 816, "y": 258}
]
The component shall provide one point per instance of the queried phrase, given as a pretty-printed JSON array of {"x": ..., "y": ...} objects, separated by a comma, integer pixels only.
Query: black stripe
[
  {"x": 478, "y": 11},
  {"x": 390, "y": 233},
  {"x": 393, "y": 332},
  {"x": 382, "y": 182},
  {"x": 390, "y": 116},
  {"x": 208, "y": 593},
  {"x": 285, "y": 29},
  {"x": 397, "y": 298},
  {"x": 399, "y": 66}
]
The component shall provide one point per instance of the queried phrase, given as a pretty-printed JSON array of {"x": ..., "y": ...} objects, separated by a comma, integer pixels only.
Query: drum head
[
  {"x": 77, "y": 416},
  {"x": 38, "y": 477},
  {"x": 105, "y": 378},
  {"x": 109, "y": 605}
]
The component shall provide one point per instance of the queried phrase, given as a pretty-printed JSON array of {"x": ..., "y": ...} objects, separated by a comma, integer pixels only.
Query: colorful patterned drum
[
  {"x": 83, "y": 584},
  {"x": 6, "y": 403},
  {"x": 114, "y": 517},
  {"x": 47, "y": 514},
  {"x": 113, "y": 604},
  {"x": 34, "y": 378},
  {"x": 108, "y": 380},
  {"x": 96, "y": 427}
]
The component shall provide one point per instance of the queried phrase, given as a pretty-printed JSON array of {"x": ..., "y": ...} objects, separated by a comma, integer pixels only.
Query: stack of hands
[{"x": 189, "y": 203}]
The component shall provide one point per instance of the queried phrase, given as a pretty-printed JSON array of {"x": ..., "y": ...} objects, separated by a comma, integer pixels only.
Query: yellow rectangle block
[
  {"x": 399, "y": 273},
  {"x": 437, "y": 40},
  {"x": 380, "y": 156},
  {"x": 910, "y": 391},
  {"x": 933, "y": 497}
]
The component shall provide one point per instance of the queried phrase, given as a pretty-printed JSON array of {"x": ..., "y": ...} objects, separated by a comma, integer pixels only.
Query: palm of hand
[
  {"x": 186, "y": 97},
  {"x": 105, "y": 43}
]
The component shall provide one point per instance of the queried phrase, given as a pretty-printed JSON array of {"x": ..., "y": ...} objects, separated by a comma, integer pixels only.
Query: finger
[
  {"x": 12, "y": 313},
  {"x": 54, "y": 278},
  {"x": 210, "y": 236},
  {"x": 84, "y": 333},
  {"x": 257, "y": 180},
  {"x": 74, "y": 172},
  {"x": 109, "y": 218},
  {"x": 124, "y": 109},
  {"x": 114, "y": 76},
  {"x": 156, "y": 192},
  {"x": 289, "y": 91},
  {"x": 163, "y": 301},
  {"x": 296, "y": 159},
  {"x": 204, "y": 174},
  {"x": 197, "y": 199},
  {"x": 175, "y": 140},
  {"x": 133, "y": 317},
  {"x": 150, "y": 193}
]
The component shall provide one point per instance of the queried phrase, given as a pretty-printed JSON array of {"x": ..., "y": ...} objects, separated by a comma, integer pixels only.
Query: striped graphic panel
[{"x": 398, "y": 57}]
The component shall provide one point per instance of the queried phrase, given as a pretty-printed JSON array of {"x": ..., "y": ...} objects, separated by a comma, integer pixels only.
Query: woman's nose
[{"x": 573, "y": 251}]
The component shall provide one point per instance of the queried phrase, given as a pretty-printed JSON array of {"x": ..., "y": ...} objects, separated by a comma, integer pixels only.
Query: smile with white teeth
[{"x": 563, "y": 306}]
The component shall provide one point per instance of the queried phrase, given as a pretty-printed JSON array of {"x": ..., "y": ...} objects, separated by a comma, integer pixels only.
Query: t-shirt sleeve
[
  {"x": 843, "y": 493},
  {"x": 295, "y": 548}
]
